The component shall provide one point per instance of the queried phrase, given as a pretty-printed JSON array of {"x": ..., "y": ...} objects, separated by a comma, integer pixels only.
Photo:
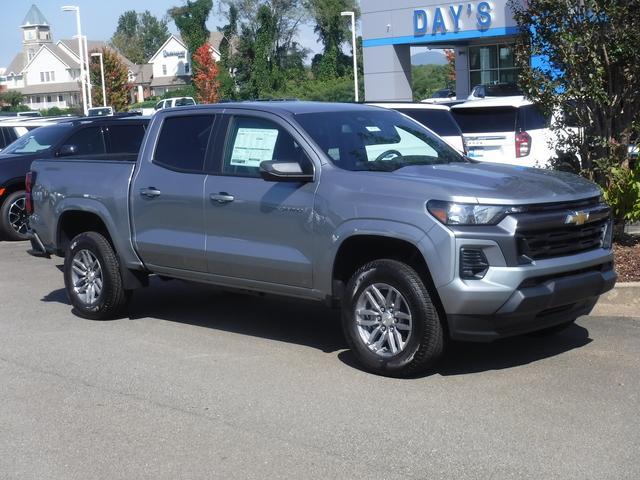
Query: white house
[
  {"x": 47, "y": 73},
  {"x": 170, "y": 67}
]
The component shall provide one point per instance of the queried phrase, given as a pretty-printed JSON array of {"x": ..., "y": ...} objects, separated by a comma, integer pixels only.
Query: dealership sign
[{"x": 452, "y": 18}]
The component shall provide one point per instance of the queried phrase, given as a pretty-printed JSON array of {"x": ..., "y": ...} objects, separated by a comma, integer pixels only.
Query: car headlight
[{"x": 451, "y": 213}]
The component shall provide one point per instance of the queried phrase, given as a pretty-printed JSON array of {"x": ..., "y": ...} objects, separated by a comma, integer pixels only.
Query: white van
[
  {"x": 505, "y": 130},
  {"x": 436, "y": 118}
]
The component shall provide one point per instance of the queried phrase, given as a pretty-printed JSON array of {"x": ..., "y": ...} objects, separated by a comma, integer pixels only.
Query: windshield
[
  {"x": 375, "y": 140},
  {"x": 37, "y": 140},
  {"x": 440, "y": 121},
  {"x": 180, "y": 102}
]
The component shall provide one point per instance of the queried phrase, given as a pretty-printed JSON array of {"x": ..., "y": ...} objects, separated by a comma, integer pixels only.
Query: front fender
[{"x": 357, "y": 227}]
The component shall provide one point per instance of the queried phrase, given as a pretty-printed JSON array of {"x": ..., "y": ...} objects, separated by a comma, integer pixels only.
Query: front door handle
[
  {"x": 150, "y": 192},
  {"x": 222, "y": 197}
]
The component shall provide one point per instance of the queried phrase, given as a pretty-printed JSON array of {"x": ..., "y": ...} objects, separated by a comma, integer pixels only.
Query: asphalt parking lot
[{"x": 205, "y": 384}]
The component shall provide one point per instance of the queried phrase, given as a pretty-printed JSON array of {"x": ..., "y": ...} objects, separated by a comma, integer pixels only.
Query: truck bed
[{"x": 93, "y": 186}]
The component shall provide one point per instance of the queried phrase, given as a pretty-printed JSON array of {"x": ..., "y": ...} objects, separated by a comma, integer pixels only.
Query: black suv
[{"x": 110, "y": 138}]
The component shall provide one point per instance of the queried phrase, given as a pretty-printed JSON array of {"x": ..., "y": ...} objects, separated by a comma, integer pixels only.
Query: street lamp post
[
  {"x": 86, "y": 72},
  {"x": 104, "y": 91},
  {"x": 73, "y": 8},
  {"x": 355, "y": 61}
]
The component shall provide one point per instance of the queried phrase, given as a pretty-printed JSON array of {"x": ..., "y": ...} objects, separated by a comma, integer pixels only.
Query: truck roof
[{"x": 293, "y": 107}]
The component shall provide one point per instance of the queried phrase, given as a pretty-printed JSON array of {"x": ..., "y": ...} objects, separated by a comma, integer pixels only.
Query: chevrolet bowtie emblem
[{"x": 577, "y": 218}]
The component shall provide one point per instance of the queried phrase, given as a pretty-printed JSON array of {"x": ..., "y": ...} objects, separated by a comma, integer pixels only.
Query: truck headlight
[{"x": 451, "y": 213}]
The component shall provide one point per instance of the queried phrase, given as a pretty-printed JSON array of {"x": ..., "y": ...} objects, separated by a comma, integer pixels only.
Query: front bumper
[{"x": 537, "y": 304}]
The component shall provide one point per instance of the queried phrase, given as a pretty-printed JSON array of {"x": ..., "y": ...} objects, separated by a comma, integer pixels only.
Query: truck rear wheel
[
  {"x": 13, "y": 220},
  {"x": 92, "y": 278},
  {"x": 390, "y": 321}
]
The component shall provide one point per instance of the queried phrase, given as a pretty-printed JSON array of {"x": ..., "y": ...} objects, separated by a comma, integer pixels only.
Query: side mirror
[
  {"x": 67, "y": 150},
  {"x": 280, "y": 171}
]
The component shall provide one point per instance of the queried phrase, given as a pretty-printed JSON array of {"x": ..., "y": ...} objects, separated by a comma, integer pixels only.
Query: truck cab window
[
  {"x": 182, "y": 143},
  {"x": 255, "y": 140},
  {"x": 124, "y": 141},
  {"x": 88, "y": 142}
]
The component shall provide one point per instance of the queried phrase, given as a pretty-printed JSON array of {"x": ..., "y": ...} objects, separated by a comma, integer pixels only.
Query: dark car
[{"x": 108, "y": 138}]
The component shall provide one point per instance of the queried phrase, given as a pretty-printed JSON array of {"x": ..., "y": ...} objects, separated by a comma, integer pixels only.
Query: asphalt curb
[{"x": 622, "y": 301}]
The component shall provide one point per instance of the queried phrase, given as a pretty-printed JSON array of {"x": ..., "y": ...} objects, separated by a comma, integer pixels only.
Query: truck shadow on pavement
[{"x": 317, "y": 326}]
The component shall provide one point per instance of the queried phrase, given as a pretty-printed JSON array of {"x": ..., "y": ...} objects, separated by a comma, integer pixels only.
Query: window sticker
[
  {"x": 374, "y": 129},
  {"x": 253, "y": 145}
]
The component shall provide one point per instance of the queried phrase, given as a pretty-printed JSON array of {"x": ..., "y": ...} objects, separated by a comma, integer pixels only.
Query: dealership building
[{"x": 481, "y": 33}]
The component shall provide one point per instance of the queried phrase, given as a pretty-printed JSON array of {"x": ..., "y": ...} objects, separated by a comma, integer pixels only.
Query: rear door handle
[
  {"x": 150, "y": 192},
  {"x": 222, "y": 197}
]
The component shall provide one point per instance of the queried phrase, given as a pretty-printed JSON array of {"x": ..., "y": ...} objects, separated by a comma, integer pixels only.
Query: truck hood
[{"x": 499, "y": 184}]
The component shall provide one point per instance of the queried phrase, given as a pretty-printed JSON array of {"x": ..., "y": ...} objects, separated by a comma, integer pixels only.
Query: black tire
[
  {"x": 112, "y": 299},
  {"x": 549, "y": 331},
  {"x": 425, "y": 344},
  {"x": 6, "y": 227}
]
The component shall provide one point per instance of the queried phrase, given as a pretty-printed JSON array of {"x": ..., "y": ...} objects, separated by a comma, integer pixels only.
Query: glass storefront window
[
  {"x": 492, "y": 64},
  {"x": 483, "y": 58},
  {"x": 506, "y": 56}
]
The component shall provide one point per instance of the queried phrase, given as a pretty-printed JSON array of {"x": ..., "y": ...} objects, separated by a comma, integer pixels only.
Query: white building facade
[{"x": 47, "y": 73}]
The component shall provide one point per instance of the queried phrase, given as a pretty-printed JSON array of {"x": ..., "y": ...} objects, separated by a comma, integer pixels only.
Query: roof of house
[
  {"x": 180, "y": 80},
  {"x": 17, "y": 64},
  {"x": 143, "y": 73},
  {"x": 34, "y": 17},
  {"x": 50, "y": 88},
  {"x": 92, "y": 45}
]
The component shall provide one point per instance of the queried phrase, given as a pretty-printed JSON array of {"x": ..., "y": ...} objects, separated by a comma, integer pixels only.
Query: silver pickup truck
[{"x": 354, "y": 205}]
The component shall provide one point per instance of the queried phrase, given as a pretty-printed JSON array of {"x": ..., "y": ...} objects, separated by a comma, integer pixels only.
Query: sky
[{"x": 99, "y": 20}]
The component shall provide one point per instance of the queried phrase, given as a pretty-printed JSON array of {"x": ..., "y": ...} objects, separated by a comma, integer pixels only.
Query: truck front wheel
[
  {"x": 92, "y": 278},
  {"x": 390, "y": 321}
]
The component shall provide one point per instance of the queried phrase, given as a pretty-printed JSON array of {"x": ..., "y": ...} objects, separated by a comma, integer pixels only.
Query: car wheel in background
[{"x": 13, "y": 223}]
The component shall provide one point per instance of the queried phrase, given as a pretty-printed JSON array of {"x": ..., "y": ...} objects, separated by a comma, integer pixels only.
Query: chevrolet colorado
[{"x": 355, "y": 205}]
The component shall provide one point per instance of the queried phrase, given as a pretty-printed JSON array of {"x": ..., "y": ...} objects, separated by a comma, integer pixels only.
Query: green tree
[
  {"x": 191, "y": 20},
  {"x": 12, "y": 97},
  {"x": 426, "y": 79},
  {"x": 116, "y": 80},
  {"x": 333, "y": 31},
  {"x": 591, "y": 73},
  {"x": 228, "y": 60},
  {"x": 139, "y": 35}
]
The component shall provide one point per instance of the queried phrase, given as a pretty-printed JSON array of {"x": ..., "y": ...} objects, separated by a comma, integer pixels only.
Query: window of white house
[
  {"x": 60, "y": 98},
  {"x": 38, "y": 99},
  {"x": 30, "y": 53},
  {"x": 48, "y": 98},
  {"x": 164, "y": 69},
  {"x": 47, "y": 76},
  {"x": 29, "y": 34},
  {"x": 186, "y": 68}
]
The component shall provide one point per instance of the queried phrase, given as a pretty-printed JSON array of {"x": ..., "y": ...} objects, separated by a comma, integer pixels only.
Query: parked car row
[
  {"x": 358, "y": 206},
  {"x": 100, "y": 137}
]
